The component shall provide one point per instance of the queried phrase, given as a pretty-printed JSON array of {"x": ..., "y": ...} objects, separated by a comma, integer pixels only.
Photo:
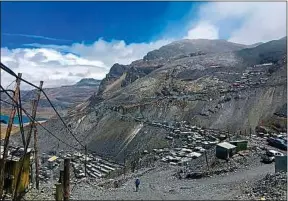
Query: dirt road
[{"x": 161, "y": 185}]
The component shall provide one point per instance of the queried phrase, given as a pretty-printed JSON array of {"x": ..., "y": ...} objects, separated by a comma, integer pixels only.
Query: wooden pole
[
  {"x": 32, "y": 125},
  {"x": 59, "y": 192},
  {"x": 59, "y": 187},
  {"x": 250, "y": 132},
  {"x": 206, "y": 158},
  {"x": 31, "y": 174},
  {"x": 36, "y": 158},
  {"x": 66, "y": 182},
  {"x": 124, "y": 163},
  {"x": 61, "y": 177},
  {"x": 228, "y": 134},
  {"x": 85, "y": 160},
  {"x": 237, "y": 135},
  {"x": 7, "y": 136}
]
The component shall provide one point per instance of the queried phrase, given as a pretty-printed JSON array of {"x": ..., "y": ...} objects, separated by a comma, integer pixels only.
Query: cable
[
  {"x": 8, "y": 103},
  {"x": 61, "y": 119},
  {"x": 7, "y": 91},
  {"x": 10, "y": 84},
  {"x": 21, "y": 125},
  {"x": 20, "y": 118},
  {"x": 8, "y": 70},
  {"x": 35, "y": 121},
  {"x": 5, "y": 68}
]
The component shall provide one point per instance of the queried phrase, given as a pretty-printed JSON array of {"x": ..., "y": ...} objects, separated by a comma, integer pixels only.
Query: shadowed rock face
[{"x": 227, "y": 87}]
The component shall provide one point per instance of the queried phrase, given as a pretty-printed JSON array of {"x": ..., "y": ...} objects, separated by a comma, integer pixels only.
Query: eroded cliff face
[{"x": 220, "y": 90}]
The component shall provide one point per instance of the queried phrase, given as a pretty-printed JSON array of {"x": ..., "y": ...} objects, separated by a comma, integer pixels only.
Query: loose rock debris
[
  {"x": 271, "y": 187},
  {"x": 97, "y": 167}
]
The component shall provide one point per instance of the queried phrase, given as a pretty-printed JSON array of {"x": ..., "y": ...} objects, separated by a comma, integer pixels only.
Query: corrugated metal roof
[
  {"x": 53, "y": 158},
  {"x": 238, "y": 141},
  {"x": 226, "y": 145}
]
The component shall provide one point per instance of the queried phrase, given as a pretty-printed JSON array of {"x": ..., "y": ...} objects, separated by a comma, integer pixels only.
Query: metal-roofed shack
[{"x": 225, "y": 150}]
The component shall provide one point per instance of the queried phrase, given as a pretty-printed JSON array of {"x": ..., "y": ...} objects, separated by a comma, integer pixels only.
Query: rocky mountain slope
[
  {"x": 122, "y": 75},
  {"x": 208, "y": 83}
]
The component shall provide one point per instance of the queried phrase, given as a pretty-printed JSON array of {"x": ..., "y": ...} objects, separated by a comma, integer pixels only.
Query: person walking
[{"x": 137, "y": 183}]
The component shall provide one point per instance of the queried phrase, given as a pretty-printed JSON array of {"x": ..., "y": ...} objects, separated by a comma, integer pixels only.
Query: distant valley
[{"x": 62, "y": 98}]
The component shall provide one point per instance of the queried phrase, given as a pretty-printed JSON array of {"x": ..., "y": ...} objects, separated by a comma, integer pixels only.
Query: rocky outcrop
[{"x": 116, "y": 71}]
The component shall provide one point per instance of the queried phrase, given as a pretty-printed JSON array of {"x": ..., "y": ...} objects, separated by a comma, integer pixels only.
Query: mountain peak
[
  {"x": 188, "y": 46},
  {"x": 88, "y": 82}
]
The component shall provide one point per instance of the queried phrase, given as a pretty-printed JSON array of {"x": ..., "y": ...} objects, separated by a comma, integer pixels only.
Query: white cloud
[
  {"x": 203, "y": 30},
  {"x": 115, "y": 51},
  {"x": 48, "y": 65},
  {"x": 268, "y": 22},
  {"x": 56, "y": 68},
  {"x": 260, "y": 21}
]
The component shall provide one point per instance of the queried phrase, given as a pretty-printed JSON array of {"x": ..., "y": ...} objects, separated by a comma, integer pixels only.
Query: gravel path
[{"x": 159, "y": 184}]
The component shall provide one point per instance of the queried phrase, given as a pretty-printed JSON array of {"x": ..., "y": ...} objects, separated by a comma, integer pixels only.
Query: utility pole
[
  {"x": 85, "y": 160},
  {"x": 61, "y": 177},
  {"x": 237, "y": 135},
  {"x": 32, "y": 125},
  {"x": 228, "y": 134},
  {"x": 206, "y": 158},
  {"x": 124, "y": 163},
  {"x": 7, "y": 136},
  {"x": 36, "y": 158},
  {"x": 66, "y": 180}
]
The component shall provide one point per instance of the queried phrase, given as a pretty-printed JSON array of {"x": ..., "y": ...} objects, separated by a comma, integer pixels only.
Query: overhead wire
[
  {"x": 61, "y": 119},
  {"x": 10, "y": 84},
  {"x": 4, "y": 101},
  {"x": 8, "y": 70},
  {"x": 1, "y": 91},
  {"x": 38, "y": 123},
  {"x": 20, "y": 119},
  {"x": 20, "y": 109},
  {"x": 5, "y": 68}
]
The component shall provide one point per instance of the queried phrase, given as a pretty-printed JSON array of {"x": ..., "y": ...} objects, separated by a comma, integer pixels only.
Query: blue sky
[
  {"x": 133, "y": 22},
  {"x": 63, "y": 42}
]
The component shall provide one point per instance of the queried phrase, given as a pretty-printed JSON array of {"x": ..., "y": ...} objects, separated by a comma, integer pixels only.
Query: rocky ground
[
  {"x": 242, "y": 177},
  {"x": 161, "y": 184},
  {"x": 271, "y": 187}
]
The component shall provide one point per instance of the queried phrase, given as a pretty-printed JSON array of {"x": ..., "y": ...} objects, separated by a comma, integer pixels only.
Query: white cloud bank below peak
[
  {"x": 55, "y": 68},
  {"x": 203, "y": 30},
  {"x": 255, "y": 21}
]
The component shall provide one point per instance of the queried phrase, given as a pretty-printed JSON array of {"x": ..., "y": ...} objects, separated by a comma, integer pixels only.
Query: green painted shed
[
  {"x": 240, "y": 144},
  {"x": 225, "y": 150}
]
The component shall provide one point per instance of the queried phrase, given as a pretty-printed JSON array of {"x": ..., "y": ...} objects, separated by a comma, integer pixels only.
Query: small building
[
  {"x": 225, "y": 150},
  {"x": 13, "y": 165},
  {"x": 240, "y": 144},
  {"x": 281, "y": 163}
]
